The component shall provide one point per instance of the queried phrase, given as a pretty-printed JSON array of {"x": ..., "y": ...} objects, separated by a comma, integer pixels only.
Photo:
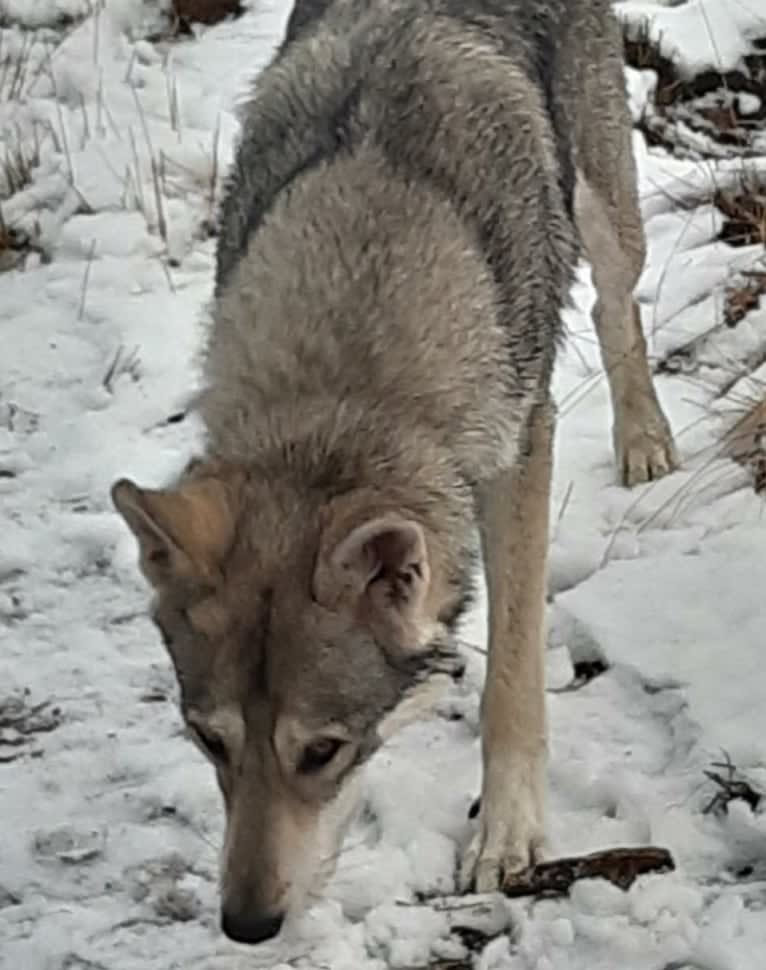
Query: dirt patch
[
  {"x": 16, "y": 245},
  {"x": 584, "y": 672},
  {"x": 206, "y": 11},
  {"x": 12, "y": 248}
]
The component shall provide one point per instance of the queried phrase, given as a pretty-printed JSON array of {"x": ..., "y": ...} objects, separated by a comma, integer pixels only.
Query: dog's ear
[
  {"x": 380, "y": 569},
  {"x": 183, "y": 533}
]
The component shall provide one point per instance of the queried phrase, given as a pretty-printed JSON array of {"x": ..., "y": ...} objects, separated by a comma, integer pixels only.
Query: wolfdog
[{"x": 400, "y": 230}]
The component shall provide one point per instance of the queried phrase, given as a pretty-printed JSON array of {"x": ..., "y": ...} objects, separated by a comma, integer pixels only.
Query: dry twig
[
  {"x": 620, "y": 866},
  {"x": 731, "y": 787}
]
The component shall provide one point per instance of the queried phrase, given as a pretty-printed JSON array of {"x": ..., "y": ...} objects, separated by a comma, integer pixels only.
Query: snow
[
  {"x": 699, "y": 34},
  {"x": 42, "y": 13},
  {"x": 111, "y": 820}
]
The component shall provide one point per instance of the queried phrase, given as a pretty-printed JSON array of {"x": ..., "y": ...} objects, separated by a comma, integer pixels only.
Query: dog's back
[
  {"x": 306, "y": 109},
  {"x": 462, "y": 108}
]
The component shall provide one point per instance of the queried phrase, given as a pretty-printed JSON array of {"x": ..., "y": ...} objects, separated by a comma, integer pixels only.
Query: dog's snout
[{"x": 251, "y": 928}]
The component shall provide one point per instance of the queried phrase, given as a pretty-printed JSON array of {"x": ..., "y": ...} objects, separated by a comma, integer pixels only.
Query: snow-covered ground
[{"x": 109, "y": 819}]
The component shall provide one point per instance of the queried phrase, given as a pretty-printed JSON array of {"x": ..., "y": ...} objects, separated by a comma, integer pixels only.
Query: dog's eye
[
  {"x": 212, "y": 744},
  {"x": 318, "y": 755}
]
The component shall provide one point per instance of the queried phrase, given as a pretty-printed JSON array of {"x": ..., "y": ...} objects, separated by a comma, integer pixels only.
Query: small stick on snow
[
  {"x": 621, "y": 867},
  {"x": 86, "y": 279},
  {"x": 139, "y": 190},
  {"x": 85, "y": 122},
  {"x": 131, "y": 63},
  {"x": 64, "y": 139},
  {"x": 161, "y": 221},
  {"x": 168, "y": 276},
  {"x": 96, "y": 34},
  {"x": 214, "y": 173}
]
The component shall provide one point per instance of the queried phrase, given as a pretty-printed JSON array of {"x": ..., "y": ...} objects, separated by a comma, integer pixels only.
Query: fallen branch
[
  {"x": 621, "y": 867},
  {"x": 733, "y": 786}
]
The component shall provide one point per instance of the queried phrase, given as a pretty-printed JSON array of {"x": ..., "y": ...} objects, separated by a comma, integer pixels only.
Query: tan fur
[
  {"x": 398, "y": 240},
  {"x": 609, "y": 221},
  {"x": 614, "y": 241},
  {"x": 187, "y": 532},
  {"x": 514, "y": 509}
]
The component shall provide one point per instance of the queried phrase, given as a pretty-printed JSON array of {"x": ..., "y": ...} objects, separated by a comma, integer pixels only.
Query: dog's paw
[
  {"x": 644, "y": 446},
  {"x": 503, "y": 845}
]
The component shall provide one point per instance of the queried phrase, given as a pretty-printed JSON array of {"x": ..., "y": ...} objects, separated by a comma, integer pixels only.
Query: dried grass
[
  {"x": 698, "y": 117},
  {"x": 744, "y": 209},
  {"x": 744, "y": 296},
  {"x": 745, "y": 443},
  {"x": 731, "y": 785}
]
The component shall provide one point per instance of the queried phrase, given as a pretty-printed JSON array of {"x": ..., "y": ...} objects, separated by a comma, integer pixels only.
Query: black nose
[{"x": 250, "y": 929}]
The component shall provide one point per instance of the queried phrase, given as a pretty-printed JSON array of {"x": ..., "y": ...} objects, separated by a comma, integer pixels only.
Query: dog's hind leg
[
  {"x": 643, "y": 443},
  {"x": 609, "y": 221},
  {"x": 513, "y": 517}
]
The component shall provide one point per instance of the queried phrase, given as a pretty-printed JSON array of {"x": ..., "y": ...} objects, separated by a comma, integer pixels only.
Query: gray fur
[{"x": 398, "y": 241}]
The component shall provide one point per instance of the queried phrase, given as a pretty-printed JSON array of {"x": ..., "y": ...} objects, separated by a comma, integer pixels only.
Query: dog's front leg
[{"x": 513, "y": 514}]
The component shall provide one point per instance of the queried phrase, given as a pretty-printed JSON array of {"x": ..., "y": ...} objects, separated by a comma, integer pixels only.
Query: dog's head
[{"x": 302, "y": 635}]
